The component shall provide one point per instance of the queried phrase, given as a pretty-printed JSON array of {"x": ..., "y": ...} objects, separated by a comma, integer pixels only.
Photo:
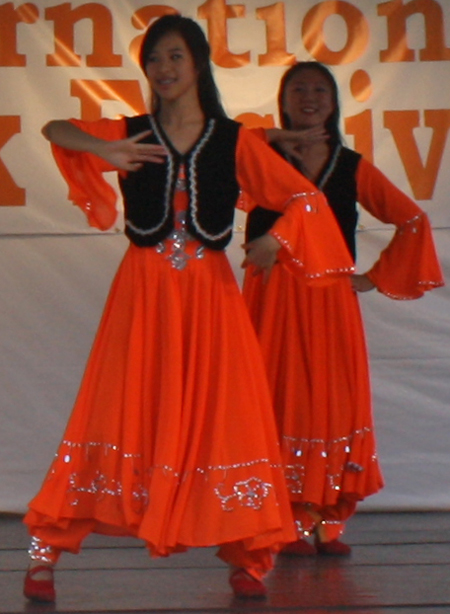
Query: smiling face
[
  {"x": 308, "y": 99},
  {"x": 171, "y": 70}
]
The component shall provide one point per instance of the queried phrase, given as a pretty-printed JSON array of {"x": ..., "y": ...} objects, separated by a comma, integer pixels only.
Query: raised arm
[
  {"x": 125, "y": 154},
  {"x": 84, "y": 150},
  {"x": 66, "y": 134},
  {"x": 295, "y": 143}
]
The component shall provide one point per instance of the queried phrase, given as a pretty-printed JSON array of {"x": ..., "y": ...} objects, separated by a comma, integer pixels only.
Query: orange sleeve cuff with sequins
[
  {"x": 408, "y": 266},
  {"x": 312, "y": 243},
  {"x": 83, "y": 172}
]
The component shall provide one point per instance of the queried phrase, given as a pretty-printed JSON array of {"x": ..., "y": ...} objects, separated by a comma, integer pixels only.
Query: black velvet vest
[
  {"x": 338, "y": 183},
  {"x": 211, "y": 183}
]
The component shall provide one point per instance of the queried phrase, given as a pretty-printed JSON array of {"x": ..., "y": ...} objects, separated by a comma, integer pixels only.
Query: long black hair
[
  {"x": 197, "y": 44},
  {"x": 332, "y": 123}
]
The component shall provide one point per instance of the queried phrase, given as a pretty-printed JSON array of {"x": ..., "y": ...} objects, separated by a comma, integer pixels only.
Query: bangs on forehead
[
  {"x": 298, "y": 75},
  {"x": 171, "y": 49},
  {"x": 177, "y": 45},
  {"x": 189, "y": 32}
]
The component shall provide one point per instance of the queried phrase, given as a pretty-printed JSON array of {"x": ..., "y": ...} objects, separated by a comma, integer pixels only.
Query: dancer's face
[
  {"x": 308, "y": 99},
  {"x": 171, "y": 70}
]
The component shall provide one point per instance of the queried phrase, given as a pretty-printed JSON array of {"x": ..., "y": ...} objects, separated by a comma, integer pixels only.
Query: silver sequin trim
[
  {"x": 341, "y": 447},
  {"x": 177, "y": 242},
  {"x": 330, "y": 168},
  {"x": 412, "y": 227},
  {"x": 299, "y": 263},
  {"x": 109, "y": 447},
  {"x": 247, "y": 493},
  {"x": 303, "y": 531},
  {"x": 192, "y": 172},
  {"x": 436, "y": 284},
  {"x": 310, "y": 207},
  {"x": 168, "y": 188},
  {"x": 39, "y": 552}
]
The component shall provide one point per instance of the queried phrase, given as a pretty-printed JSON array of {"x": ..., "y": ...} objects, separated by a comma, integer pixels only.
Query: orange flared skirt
[
  {"x": 172, "y": 438},
  {"x": 315, "y": 352}
]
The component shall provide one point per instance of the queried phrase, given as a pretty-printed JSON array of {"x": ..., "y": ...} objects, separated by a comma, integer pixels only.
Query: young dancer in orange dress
[
  {"x": 172, "y": 438},
  {"x": 312, "y": 338}
]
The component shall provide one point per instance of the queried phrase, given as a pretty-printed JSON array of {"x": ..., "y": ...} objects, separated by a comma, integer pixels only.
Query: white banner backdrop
[{"x": 58, "y": 60}]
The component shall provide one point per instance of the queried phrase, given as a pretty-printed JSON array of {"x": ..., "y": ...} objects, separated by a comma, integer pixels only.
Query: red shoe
[
  {"x": 299, "y": 548},
  {"x": 246, "y": 586},
  {"x": 333, "y": 548},
  {"x": 39, "y": 590}
]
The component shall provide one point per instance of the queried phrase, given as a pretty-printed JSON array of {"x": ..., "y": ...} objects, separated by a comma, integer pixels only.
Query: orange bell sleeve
[
  {"x": 408, "y": 266},
  {"x": 312, "y": 243},
  {"x": 88, "y": 189}
]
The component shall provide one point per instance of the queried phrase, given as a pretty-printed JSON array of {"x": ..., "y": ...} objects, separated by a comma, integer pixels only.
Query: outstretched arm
[{"x": 127, "y": 154}]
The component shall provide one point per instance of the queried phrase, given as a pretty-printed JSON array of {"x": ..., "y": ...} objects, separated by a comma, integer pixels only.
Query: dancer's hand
[
  {"x": 130, "y": 154},
  {"x": 262, "y": 254},
  {"x": 292, "y": 142},
  {"x": 361, "y": 283},
  {"x": 127, "y": 154}
]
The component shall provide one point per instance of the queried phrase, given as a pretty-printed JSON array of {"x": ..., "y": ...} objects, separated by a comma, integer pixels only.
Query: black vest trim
[
  {"x": 148, "y": 192},
  {"x": 210, "y": 181},
  {"x": 171, "y": 178},
  {"x": 339, "y": 186},
  {"x": 194, "y": 193}
]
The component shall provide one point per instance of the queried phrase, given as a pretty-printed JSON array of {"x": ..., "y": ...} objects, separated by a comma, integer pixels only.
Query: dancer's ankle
[{"x": 45, "y": 572}]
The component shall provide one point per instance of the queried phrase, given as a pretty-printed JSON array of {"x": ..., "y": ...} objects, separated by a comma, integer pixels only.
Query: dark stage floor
[{"x": 400, "y": 564}]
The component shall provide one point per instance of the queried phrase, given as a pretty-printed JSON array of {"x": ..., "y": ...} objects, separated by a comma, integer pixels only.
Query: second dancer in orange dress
[{"x": 312, "y": 338}]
